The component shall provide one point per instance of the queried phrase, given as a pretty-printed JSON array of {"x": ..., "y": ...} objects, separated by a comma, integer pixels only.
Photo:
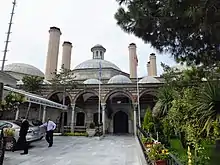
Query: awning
[{"x": 32, "y": 98}]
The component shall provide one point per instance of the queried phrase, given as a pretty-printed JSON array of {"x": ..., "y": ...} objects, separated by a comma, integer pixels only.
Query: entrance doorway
[
  {"x": 120, "y": 122},
  {"x": 80, "y": 119}
]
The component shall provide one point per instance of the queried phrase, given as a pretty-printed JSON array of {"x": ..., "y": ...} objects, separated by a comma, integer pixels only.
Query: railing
[{"x": 141, "y": 133}]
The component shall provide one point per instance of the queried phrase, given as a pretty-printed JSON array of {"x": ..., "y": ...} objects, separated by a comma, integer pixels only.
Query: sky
[{"x": 85, "y": 23}]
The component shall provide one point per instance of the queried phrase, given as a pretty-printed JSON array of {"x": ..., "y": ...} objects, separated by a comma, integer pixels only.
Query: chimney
[
  {"x": 132, "y": 60},
  {"x": 148, "y": 68},
  {"x": 53, "y": 51},
  {"x": 153, "y": 65},
  {"x": 66, "y": 57}
]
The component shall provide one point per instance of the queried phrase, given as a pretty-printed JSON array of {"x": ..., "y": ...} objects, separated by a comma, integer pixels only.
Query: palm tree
[
  {"x": 207, "y": 105},
  {"x": 165, "y": 97}
]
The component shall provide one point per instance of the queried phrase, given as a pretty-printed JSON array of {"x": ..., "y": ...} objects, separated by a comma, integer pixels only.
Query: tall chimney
[
  {"x": 132, "y": 60},
  {"x": 148, "y": 68},
  {"x": 66, "y": 57},
  {"x": 53, "y": 51},
  {"x": 153, "y": 65}
]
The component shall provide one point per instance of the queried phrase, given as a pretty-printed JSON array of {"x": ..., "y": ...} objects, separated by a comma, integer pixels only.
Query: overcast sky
[{"x": 85, "y": 23}]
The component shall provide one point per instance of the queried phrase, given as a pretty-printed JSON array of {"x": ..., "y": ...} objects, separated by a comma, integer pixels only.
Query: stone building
[{"x": 118, "y": 90}]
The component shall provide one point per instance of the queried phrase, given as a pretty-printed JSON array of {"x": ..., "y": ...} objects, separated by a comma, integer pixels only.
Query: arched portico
[
  {"x": 119, "y": 103},
  {"x": 147, "y": 99}
]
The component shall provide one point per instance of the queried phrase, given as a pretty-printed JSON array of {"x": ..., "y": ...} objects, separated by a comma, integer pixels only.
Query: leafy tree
[
  {"x": 188, "y": 30},
  {"x": 148, "y": 123},
  {"x": 32, "y": 83}
]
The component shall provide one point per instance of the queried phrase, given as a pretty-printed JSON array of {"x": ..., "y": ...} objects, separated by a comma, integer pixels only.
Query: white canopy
[{"x": 32, "y": 98}]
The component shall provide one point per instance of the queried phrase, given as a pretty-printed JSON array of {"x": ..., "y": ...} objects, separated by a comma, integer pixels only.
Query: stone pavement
[{"x": 112, "y": 150}]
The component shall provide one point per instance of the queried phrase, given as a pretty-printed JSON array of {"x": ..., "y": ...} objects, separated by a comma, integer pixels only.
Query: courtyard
[{"x": 112, "y": 150}]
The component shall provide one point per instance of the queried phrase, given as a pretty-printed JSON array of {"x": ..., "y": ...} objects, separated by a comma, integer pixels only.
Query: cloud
[{"x": 84, "y": 23}]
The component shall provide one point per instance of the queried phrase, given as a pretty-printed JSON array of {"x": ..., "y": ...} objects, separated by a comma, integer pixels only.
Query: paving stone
[{"x": 112, "y": 150}]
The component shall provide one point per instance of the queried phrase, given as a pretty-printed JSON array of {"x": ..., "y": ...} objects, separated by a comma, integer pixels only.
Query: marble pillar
[
  {"x": 103, "y": 117},
  {"x": 72, "y": 117},
  {"x": 17, "y": 113},
  {"x": 135, "y": 119}
]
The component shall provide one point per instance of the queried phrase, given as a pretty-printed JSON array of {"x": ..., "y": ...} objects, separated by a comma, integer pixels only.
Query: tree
[
  {"x": 32, "y": 83},
  {"x": 187, "y": 29}
]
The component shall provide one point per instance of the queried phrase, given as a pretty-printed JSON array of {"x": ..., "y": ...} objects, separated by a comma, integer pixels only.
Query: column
[
  {"x": 44, "y": 114},
  {"x": 72, "y": 117},
  {"x": 17, "y": 113},
  {"x": 39, "y": 113},
  {"x": 135, "y": 119},
  {"x": 103, "y": 117}
]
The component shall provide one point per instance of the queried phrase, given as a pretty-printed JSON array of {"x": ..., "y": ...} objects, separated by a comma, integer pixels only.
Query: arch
[
  {"x": 152, "y": 92},
  {"x": 80, "y": 118},
  {"x": 125, "y": 92},
  {"x": 120, "y": 122},
  {"x": 58, "y": 91},
  {"x": 57, "y": 96},
  {"x": 83, "y": 92}
]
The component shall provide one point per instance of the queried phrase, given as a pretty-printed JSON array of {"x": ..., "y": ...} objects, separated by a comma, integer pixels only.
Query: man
[
  {"x": 50, "y": 127},
  {"x": 22, "y": 135}
]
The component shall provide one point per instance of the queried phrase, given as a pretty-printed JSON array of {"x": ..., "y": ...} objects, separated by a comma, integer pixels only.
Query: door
[{"x": 120, "y": 122}]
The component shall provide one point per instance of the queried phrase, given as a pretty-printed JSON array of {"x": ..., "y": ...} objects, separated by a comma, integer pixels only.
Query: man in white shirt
[{"x": 50, "y": 127}]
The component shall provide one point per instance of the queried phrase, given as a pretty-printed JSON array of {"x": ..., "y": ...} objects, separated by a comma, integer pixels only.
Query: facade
[{"x": 118, "y": 101}]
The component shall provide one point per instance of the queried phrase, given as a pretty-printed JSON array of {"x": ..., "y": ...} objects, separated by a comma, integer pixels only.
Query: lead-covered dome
[
  {"x": 149, "y": 79},
  {"x": 94, "y": 64},
  {"x": 119, "y": 79},
  {"x": 92, "y": 81},
  {"x": 23, "y": 69}
]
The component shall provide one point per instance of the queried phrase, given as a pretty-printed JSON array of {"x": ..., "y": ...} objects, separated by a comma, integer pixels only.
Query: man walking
[
  {"x": 22, "y": 136},
  {"x": 50, "y": 127}
]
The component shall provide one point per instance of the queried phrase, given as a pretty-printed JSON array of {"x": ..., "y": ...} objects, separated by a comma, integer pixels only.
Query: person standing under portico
[{"x": 50, "y": 127}]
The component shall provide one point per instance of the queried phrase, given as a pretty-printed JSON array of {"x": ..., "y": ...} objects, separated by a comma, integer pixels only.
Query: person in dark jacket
[{"x": 22, "y": 136}]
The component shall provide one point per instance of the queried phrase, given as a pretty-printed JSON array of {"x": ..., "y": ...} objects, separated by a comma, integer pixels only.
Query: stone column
[
  {"x": 103, "y": 117},
  {"x": 17, "y": 113},
  {"x": 72, "y": 117},
  {"x": 44, "y": 114},
  {"x": 135, "y": 119},
  {"x": 39, "y": 113}
]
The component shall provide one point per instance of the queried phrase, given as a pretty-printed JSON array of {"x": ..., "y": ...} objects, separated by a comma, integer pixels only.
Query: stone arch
[
  {"x": 152, "y": 92},
  {"x": 58, "y": 91},
  {"x": 56, "y": 97},
  {"x": 125, "y": 92},
  {"x": 82, "y": 92}
]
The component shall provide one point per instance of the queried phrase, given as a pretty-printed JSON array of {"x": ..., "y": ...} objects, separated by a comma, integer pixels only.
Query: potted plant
[
  {"x": 148, "y": 142},
  {"x": 9, "y": 138},
  {"x": 91, "y": 130},
  {"x": 158, "y": 154}
]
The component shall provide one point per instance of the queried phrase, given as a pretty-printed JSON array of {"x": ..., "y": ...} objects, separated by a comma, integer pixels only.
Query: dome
[
  {"x": 149, "y": 79},
  {"x": 23, "y": 69},
  {"x": 92, "y": 81},
  {"x": 119, "y": 79},
  {"x": 94, "y": 64}
]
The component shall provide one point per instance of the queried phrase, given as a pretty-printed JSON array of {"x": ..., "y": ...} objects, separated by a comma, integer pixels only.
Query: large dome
[
  {"x": 94, "y": 64},
  {"x": 92, "y": 81},
  {"x": 119, "y": 79},
  {"x": 23, "y": 69},
  {"x": 149, "y": 79}
]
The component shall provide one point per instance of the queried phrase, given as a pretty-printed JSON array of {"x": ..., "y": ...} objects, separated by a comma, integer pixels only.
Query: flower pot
[
  {"x": 91, "y": 132},
  {"x": 160, "y": 162},
  {"x": 9, "y": 143},
  {"x": 148, "y": 145}
]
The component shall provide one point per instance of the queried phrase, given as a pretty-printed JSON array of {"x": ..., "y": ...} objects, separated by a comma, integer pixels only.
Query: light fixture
[{"x": 118, "y": 102}]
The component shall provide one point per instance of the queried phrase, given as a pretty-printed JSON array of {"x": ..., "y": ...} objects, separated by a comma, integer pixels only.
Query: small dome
[
  {"x": 23, "y": 69},
  {"x": 149, "y": 79},
  {"x": 92, "y": 81},
  {"x": 119, "y": 79},
  {"x": 94, "y": 64}
]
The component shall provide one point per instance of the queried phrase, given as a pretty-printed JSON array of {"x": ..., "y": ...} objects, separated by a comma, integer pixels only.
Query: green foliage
[
  {"x": 64, "y": 77},
  {"x": 76, "y": 134},
  {"x": 12, "y": 100},
  {"x": 148, "y": 124},
  {"x": 158, "y": 152},
  {"x": 189, "y": 30},
  {"x": 32, "y": 83}
]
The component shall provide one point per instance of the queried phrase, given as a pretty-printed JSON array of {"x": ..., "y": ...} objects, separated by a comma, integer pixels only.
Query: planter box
[
  {"x": 91, "y": 132},
  {"x": 160, "y": 162}
]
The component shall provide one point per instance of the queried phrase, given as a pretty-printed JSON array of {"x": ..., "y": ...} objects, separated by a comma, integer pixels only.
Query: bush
[{"x": 76, "y": 134}]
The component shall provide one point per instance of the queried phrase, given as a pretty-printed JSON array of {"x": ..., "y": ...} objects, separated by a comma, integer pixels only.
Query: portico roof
[{"x": 32, "y": 98}]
